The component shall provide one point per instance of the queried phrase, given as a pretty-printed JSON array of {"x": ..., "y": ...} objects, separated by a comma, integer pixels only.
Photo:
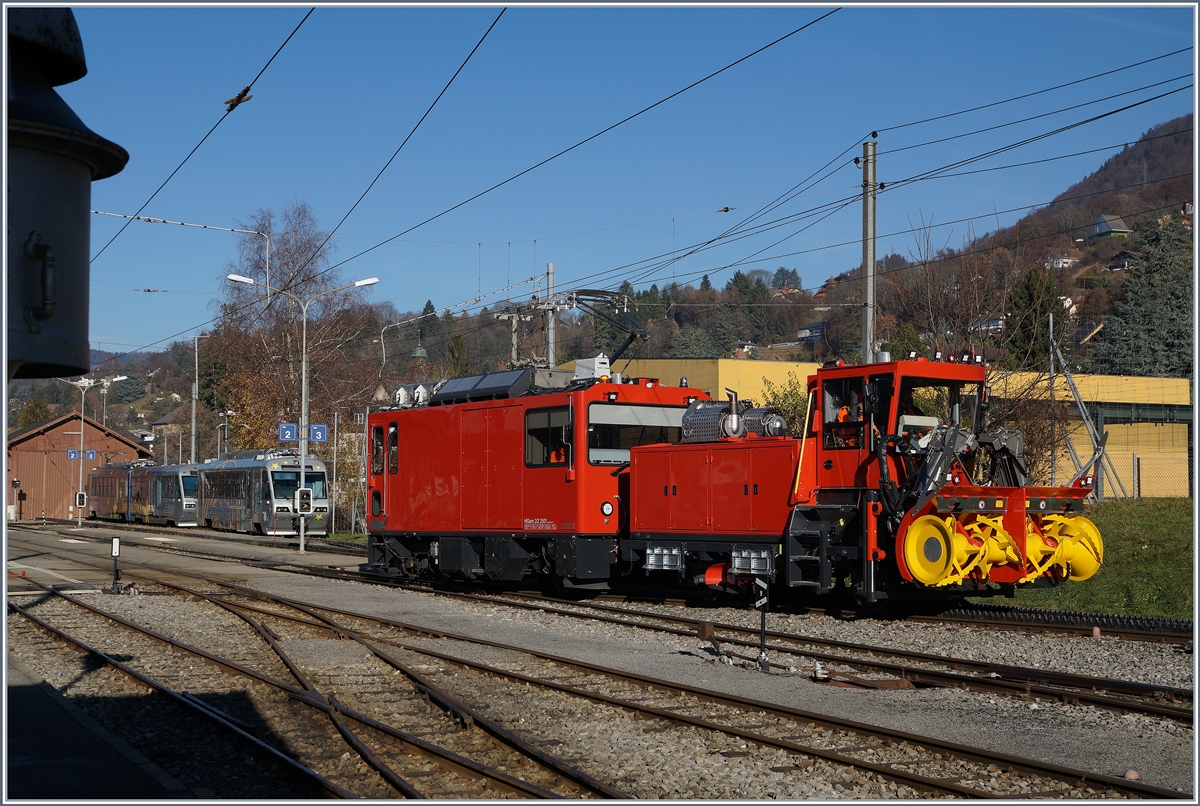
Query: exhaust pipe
[{"x": 733, "y": 425}]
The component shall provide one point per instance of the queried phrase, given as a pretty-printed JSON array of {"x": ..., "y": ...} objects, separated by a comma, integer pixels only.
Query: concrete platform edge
[{"x": 114, "y": 741}]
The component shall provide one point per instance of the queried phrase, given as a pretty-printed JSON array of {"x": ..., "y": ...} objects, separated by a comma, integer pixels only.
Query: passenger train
[
  {"x": 247, "y": 491},
  {"x": 253, "y": 491},
  {"x": 143, "y": 492}
]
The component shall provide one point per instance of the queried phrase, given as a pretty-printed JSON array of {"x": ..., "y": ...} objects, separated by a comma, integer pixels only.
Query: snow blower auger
[{"x": 1001, "y": 535}]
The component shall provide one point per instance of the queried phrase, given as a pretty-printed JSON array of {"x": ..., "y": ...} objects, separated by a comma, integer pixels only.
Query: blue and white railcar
[
  {"x": 171, "y": 495},
  {"x": 254, "y": 491}
]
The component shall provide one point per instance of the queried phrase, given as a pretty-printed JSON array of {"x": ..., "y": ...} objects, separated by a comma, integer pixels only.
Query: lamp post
[
  {"x": 237, "y": 278},
  {"x": 226, "y": 425},
  {"x": 83, "y": 384},
  {"x": 226, "y": 415},
  {"x": 104, "y": 391}
]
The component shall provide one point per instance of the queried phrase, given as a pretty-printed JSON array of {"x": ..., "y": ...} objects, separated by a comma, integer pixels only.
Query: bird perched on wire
[{"x": 240, "y": 98}]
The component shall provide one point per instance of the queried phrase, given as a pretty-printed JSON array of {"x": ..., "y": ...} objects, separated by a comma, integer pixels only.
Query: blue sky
[{"x": 341, "y": 96}]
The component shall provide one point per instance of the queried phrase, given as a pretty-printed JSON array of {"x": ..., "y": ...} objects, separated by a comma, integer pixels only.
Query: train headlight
[{"x": 606, "y": 508}]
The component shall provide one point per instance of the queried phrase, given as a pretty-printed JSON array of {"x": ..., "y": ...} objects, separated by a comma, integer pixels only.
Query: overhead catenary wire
[
  {"x": 1032, "y": 94},
  {"x": 396, "y": 153},
  {"x": 221, "y": 120},
  {"x": 726, "y": 235},
  {"x": 586, "y": 140},
  {"x": 944, "y": 168},
  {"x": 1035, "y": 117},
  {"x": 769, "y": 225}
]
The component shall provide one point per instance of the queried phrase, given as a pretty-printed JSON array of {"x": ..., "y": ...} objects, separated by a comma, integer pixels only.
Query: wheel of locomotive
[{"x": 928, "y": 549}]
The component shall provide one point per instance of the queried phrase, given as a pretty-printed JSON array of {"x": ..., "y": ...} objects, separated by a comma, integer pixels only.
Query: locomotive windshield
[
  {"x": 189, "y": 486},
  {"x": 946, "y": 401},
  {"x": 286, "y": 483},
  {"x": 614, "y": 428}
]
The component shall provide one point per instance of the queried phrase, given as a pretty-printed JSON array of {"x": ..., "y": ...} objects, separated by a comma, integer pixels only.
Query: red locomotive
[{"x": 586, "y": 480}]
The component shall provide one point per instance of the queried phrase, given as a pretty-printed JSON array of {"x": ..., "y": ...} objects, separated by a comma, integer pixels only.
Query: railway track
[
  {"x": 373, "y": 759},
  {"x": 789, "y": 740},
  {"x": 835, "y": 661},
  {"x": 981, "y": 616},
  {"x": 921, "y": 764},
  {"x": 916, "y": 669},
  {"x": 408, "y": 641}
]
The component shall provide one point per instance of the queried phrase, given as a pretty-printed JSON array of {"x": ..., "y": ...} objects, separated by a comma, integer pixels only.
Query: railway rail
[
  {"x": 408, "y": 643},
  {"x": 922, "y": 670},
  {"x": 817, "y": 744},
  {"x": 834, "y": 661},
  {"x": 924, "y": 764},
  {"x": 981, "y": 616},
  {"x": 394, "y": 756}
]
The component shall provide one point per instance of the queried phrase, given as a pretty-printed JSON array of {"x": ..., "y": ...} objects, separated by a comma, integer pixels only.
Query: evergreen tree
[
  {"x": 724, "y": 332},
  {"x": 705, "y": 283},
  {"x": 785, "y": 278},
  {"x": 691, "y": 342},
  {"x": 650, "y": 305},
  {"x": 1151, "y": 330},
  {"x": 1026, "y": 323},
  {"x": 906, "y": 341}
]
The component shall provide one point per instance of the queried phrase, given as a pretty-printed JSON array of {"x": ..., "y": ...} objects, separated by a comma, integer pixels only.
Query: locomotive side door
[
  {"x": 843, "y": 439},
  {"x": 474, "y": 495},
  {"x": 506, "y": 437}
]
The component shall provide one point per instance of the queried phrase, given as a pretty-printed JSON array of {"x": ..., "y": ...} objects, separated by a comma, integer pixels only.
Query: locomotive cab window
[
  {"x": 842, "y": 414},
  {"x": 377, "y": 450},
  {"x": 393, "y": 448},
  {"x": 548, "y": 437},
  {"x": 926, "y": 403},
  {"x": 614, "y": 428}
]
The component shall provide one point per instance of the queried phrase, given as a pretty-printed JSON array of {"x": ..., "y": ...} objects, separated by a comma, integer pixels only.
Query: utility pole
[
  {"x": 513, "y": 317},
  {"x": 868, "y": 264},
  {"x": 195, "y": 388},
  {"x": 551, "y": 316},
  {"x": 551, "y": 307},
  {"x": 1053, "y": 466}
]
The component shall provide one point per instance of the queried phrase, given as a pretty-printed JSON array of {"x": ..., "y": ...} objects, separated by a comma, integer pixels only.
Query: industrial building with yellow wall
[{"x": 1148, "y": 420}]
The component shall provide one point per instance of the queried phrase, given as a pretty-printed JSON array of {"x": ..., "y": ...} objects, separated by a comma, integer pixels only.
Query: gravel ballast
[{"x": 1104, "y": 742}]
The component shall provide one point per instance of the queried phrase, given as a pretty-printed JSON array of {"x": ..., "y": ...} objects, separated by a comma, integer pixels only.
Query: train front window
[
  {"x": 285, "y": 483},
  {"x": 614, "y": 428},
  {"x": 316, "y": 483},
  {"x": 189, "y": 486}
]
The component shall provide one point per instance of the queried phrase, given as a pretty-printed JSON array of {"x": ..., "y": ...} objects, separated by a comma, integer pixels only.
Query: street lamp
[
  {"x": 226, "y": 415},
  {"x": 104, "y": 392},
  {"x": 237, "y": 278},
  {"x": 83, "y": 385},
  {"x": 226, "y": 425}
]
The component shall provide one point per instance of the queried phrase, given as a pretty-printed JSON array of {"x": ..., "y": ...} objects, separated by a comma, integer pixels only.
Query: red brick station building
[{"x": 43, "y": 479}]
